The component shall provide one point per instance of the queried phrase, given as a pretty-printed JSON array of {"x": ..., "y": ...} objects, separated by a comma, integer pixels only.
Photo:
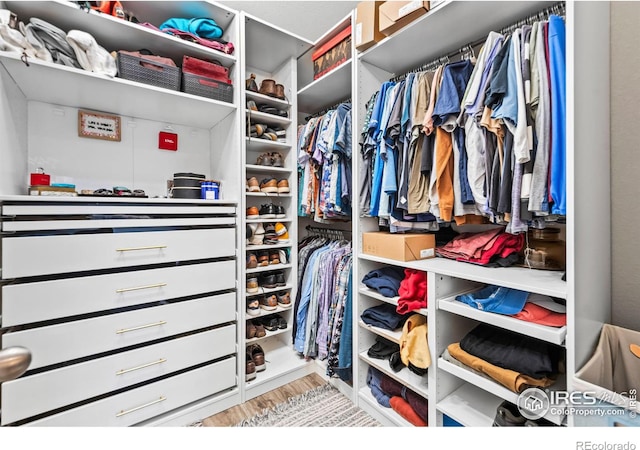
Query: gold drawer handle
[
  {"x": 132, "y": 249},
  {"x": 123, "y": 371},
  {"x": 156, "y": 324},
  {"x": 148, "y": 286},
  {"x": 124, "y": 413}
]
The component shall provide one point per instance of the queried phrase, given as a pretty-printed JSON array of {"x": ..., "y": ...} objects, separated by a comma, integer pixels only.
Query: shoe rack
[{"x": 269, "y": 53}]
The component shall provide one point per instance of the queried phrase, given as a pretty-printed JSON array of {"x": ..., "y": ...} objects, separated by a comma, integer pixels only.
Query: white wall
[{"x": 625, "y": 164}]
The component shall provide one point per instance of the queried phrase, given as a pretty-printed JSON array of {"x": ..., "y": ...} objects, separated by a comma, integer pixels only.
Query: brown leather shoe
[
  {"x": 280, "y": 92},
  {"x": 252, "y": 261},
  {"x": 284, "y": 300},
  {"x": 269, "y": 185},
  {"x": 251, "y": 330},
  {"x": 257, "y": 354},
  {"x": 253, "y": 212},
  {"x": 268, "y": 87},
  {"x": 274, "y": 257},
  {"x": 269, "y": 302},
  {"x": 263, "y": 258},
  {"x": 260, "y": 331},
  {"x": 253, "y": 184},
  {"x": 283, "y": 186},
  {"x": 250, "y": 368}
]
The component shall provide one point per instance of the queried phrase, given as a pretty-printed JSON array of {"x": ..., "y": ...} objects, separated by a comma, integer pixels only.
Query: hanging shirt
[
  {"x": 558, "y": 187},
  {"x": 374, "y": 131}
]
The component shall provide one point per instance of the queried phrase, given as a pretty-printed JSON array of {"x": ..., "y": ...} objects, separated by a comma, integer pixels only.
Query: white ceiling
[{"x": 308, "y": 19}]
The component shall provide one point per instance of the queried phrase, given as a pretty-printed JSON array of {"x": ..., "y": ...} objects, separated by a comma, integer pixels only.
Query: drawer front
[
  {"x": 52, "y": 389},
  {"x": 143, "y": 403},
  {"x": 46, "y": 300},
  {"x": 63, "y": 342},
  {"x": 43, "y": 255}
]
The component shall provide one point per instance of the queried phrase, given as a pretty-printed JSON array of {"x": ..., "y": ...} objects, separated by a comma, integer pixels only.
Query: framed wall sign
[{"x": 99, "y": 126}]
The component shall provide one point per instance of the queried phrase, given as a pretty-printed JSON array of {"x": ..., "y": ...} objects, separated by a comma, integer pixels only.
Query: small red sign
[{"x": 168, "y": 141}]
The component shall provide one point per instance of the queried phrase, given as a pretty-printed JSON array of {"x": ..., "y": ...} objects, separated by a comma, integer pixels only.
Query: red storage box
[
  {"x": 332, "y": 53},
  {"x": 208, "y": 69}
]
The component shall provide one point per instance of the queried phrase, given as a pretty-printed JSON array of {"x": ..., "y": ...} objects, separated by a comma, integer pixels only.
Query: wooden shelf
[
  {"x": 471, "y": 21},
  {"x": 413, "y": 381},
  {"x": 68, "y": 86},
  {"x": 269, "y": 334},
  {"x": 269, "y": 268},
  {"x": 264, "y": 145},
  {"x": 267, "y": 100},
  {"x": 268, "y": 119},
  {"x": 266, "y": 194},
  {"x": 116, "y": 34},
  {"x": 327, "y": 90},
  {"x": 543, "y": 282},
  {"x": 495, "y": 388},
  {"x": 251, "y": 248},
  {"x": 470, "y": 406},
  {"x": 280, "y": 360},
  {"x": 391, "y": 335},
  {"x": 367, "y": 402},
  {"x": 284, "y": 219},
  {"x": 267, "y": 169},
  {"x": 545, "y": 333},
  {"x": 263, "y": 291},
  {"x": 392, "y": 300}
]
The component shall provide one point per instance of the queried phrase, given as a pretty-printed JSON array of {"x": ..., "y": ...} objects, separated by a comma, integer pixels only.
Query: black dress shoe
[
  {"x": 267, "y": 281},
  {"x": 268, "y": 211},
  {"x": 280, "y": 281}
]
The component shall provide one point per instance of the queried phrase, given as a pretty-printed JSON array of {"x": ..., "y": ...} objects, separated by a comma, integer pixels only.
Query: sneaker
[
  {"x": 257, "y": 130},
  {"x": 263, "y": 258},
  {"x": 267, "y": 211},
  {"x": 271, "y": 135},
  {"x": 507, "y": 415},
  {"x": 283, "y": 186},
  {"x": 252, "y": 261},
  {"x": 267, "y": 281},
  {"x": 269, "y": 302},
  {"x": 284, "y": 299},
  {"x": 280, "y": 212},
  {"x": 253, "y": 185},
  {"x": 252, "y": 285},
  {"x": 282, "y": 256},
  {"x": 279, "y": 279},
  {"x": 257, "y": 234},
  {"x": 257, "y": 355},
  {"x": 270, "y": 235},
  {"x": 282, "y": 323},
  {"x": 253, "y": 307},
  {"x": 251, "y": 105},
  {"x": 278, "y": 160},
  {"x": 270, "y": 323},
  {"x": 253, "y": 212},
  {"x": 274, "y": 257},
  {"x": 249, "y": 232},
  {"x": 269, "y": 185},
  {"x": 281, "y": 232},
  {"x": 264, "y": 159},
  {"x": 250, "y": 368}
]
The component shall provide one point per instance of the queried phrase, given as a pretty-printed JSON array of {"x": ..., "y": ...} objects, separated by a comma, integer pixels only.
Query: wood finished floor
[{"x": 255, "y": 406}]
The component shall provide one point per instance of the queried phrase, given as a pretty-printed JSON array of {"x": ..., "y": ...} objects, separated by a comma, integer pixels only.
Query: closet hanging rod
[
  {"x": 330, "y": 233},
  {"x": 556, "y": 9},
  {"x": 326, "y": 110}
]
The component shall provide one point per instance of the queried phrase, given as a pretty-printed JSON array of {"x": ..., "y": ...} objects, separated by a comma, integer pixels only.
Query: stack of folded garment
[
  {"x": 521, "y": 305},
  {"x": 386, "y": 280},
  {"x": 383, "y": 348},
  {"x": 412, "y": 291},
  {"x": 491, "y": 248},
  {"x": 414, "y": 349},
  {"x": 383, "y": 316},
  {"x": 511, "y": 359},
  {"x": 391, "y": 394}
]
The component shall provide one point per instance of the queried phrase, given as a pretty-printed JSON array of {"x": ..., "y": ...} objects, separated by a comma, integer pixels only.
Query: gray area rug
[{"x": 323, "y": 406}]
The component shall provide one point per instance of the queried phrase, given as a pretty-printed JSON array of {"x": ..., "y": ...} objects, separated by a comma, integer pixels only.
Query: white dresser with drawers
[{"x": 127, "y": 305}]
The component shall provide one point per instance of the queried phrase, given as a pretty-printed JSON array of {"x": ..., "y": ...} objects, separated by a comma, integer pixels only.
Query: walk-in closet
[{"x": 204, "y": 202}]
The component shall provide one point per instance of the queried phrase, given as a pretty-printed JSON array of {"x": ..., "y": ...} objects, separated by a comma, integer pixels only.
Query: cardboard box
[
  {"x": 331, "y": 54},
  {"x": 401, "y": 247},
  {"x": 396, "y": 15},
  {"x": 367, "y": 32}
]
